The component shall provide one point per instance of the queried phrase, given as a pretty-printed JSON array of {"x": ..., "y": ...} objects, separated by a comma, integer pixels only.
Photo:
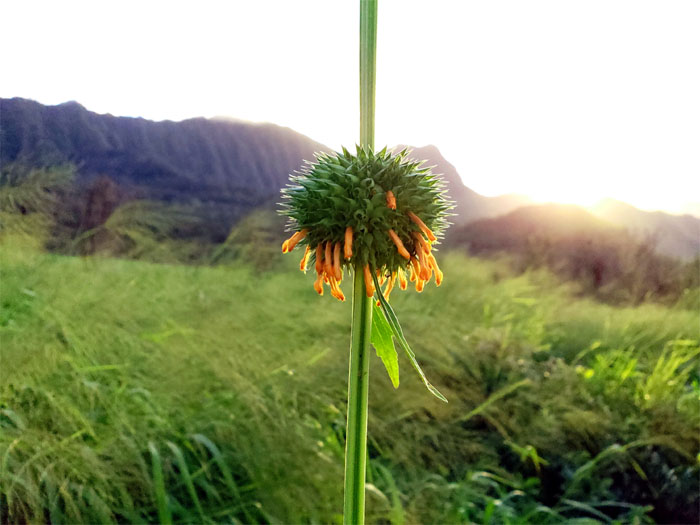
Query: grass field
[{"x": 141, "y": 392}]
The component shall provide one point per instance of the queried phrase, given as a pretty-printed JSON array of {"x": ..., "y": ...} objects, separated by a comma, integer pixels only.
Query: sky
[{"x": 566, "y": 101}]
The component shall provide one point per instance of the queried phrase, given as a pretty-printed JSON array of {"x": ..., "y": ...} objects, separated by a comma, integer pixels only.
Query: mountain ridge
[
  {"x": 225, "y": 167},
  {"x": 470, "y": 205},
  {"x": 677, "y": 235}
]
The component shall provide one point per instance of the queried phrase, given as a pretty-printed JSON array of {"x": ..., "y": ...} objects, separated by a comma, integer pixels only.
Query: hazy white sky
[{"x": 560, "y": 100}]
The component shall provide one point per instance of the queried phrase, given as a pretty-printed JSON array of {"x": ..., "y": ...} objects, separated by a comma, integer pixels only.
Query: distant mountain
[
  {"x": 226, "y": 167},
  {"x": 222, "y": 169},
  {"x": 676, "y": 235},
  {"x": 470, "y": 204},
  {"x": 520, "y": 228},
  {"x": 602, "y": 259}
]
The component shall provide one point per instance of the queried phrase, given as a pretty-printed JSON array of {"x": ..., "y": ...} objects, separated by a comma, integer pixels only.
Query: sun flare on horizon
[{"x": 568, "y": 102}]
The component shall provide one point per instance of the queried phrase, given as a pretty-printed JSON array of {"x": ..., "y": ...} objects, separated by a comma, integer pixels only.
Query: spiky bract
[{"x": 374, "y": 194}]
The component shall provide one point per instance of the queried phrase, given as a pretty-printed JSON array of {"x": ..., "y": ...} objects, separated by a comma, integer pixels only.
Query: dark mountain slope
[
  {"x": 223, "y": 169},
  {"x": 229, "y": 166}
]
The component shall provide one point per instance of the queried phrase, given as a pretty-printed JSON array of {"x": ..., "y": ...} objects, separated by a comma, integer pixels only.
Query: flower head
[{"x": 371, "y": 211}]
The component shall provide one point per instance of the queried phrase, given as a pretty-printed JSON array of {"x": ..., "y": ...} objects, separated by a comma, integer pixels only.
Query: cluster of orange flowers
[{"x": 422, "y": 264}]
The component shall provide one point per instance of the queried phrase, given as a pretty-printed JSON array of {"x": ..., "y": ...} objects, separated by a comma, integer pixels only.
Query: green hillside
[{"x": 139, "y": 392}]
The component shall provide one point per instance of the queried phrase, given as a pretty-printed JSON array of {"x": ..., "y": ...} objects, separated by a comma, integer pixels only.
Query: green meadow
[{"x": 135, "y": 391}]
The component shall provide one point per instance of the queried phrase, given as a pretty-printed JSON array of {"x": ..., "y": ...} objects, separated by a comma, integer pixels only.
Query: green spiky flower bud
[{"x": 377, "y": 211}]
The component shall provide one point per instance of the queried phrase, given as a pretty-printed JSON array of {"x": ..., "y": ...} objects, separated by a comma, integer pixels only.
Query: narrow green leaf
[
  {"x": 164, "y": 515},
  {"x": 186, "y": 477},
  {"x": 501, "y": 393},
  {"x": 398, "y": 333},
  {"x": 218, "y": 458},
  {"x": 384, "y": 345}
]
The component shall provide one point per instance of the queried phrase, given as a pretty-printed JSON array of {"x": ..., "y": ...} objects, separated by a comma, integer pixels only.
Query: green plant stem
[
  {"x": 358, "y": 389},
  {"x": 368, "y": 70},
  {"x": 358, "y": 377}
]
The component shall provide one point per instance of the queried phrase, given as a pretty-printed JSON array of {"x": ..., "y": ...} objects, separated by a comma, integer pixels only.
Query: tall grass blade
[
  {"x": 164, "y": 515},
  {"x": 500, "y": 394},
  {"x": 187, "y": 478},
  {"x": 218, "y": 458}
]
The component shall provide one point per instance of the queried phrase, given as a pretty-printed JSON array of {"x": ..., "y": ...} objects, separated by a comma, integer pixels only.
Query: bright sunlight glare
[{"x": 561, "y": 101}]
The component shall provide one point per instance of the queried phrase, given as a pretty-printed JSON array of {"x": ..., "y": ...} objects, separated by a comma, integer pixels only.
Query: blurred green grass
[{"x": 139, "y": 392}]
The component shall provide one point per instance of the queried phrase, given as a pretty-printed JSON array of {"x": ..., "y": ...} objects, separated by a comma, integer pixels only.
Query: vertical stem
[
  {"x": 358, "y": 389},
  {"x": 358, "y": 378},
  {"x": 368, "y": 69}
]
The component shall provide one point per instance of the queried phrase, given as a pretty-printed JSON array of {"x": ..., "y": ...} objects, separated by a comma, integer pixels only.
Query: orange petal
[
  {"x": 403, "y": 252},
  {"x": 402, "y": 279},
  {"x": 419, "y": 285},
  {"x": 438, "y": 272},
  {"x": 335, "y": 290},
  {"x": 318, "y": 284},
  {"x": 425, "y": 269},
  {"x": 389, "y": 286},
  {"x": 302, "y": 264},
  {"x": 290, "y": 243},
  {"x": 416, "y": 268},
  {"x": 348, "y": 242},
  {"x": 336, "y": 262},
  {"x": 421, "y": 242},
  {"x": 327, "y": 259},
  {"x": 422, "y": 226},
  {"x": 390, "y": 200},
  {"x": 369, "y": 284},
  {"x": 433, "y": 262}
]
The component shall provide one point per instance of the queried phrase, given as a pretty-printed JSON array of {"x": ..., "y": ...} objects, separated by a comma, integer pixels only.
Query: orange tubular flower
[
  {"x": 318, "y": 284},
  {"x": 390, "y": 200},
  {"x": 336, "y": 291},
  {"x": 348, "y": 242},
  {"x": 429, "y": 234},
  {"x": 327, "y": 259},
  {"x": 416, "y": 268},
  {"x": 302, "y": 264},
  {"x": 402, "y": 279},
  {"x": 419, "y": 285},
  {"x": 319, "y": 259},
  {"x": 438, "y": 272},
  {"x": 421, "y": 243},
  {"x": 389, "y": 286},
  {"x": 336, "y": 262},
  {"x": 289, "y": 244},
  {"x": 369, "y": 284},
  {"x": 403, "y": 252},
  {"x": 425, "y": 269}
]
